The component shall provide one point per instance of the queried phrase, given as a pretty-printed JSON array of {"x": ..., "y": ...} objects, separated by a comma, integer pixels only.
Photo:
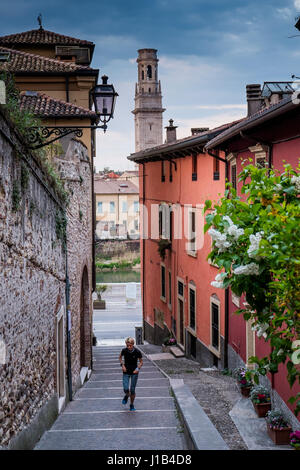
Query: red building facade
[
  {"x": 268, "y": 136},
  {"x": 176, "y": 178}
]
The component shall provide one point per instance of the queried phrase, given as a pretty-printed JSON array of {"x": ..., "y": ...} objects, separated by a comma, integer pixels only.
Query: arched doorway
[{"x": 85, "y": 322}]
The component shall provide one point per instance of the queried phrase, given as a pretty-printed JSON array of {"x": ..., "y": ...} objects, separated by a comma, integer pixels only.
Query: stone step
[
  {"x": 118, "y": 383},
  {"x": 115, "y": 419},
  {"x": 118, "y": 392},
  {"x": 166, "y": 438},
  {"x": 115, "y": 404},
  {"x": 113, "y": 375},
  {"x": 176, "y": 351}
]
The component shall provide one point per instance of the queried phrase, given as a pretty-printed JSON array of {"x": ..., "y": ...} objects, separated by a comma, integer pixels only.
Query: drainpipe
[
  {"x": 143, "y": 293},
  {"x": 68, "y": 330}
]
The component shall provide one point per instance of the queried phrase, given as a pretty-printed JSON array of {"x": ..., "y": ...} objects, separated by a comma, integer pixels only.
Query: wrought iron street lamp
[{"x": 104, "y": 99}]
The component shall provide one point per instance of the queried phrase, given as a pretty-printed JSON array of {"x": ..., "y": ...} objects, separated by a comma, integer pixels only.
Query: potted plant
[
  {"x": 163, "y": 245},
  {"x": 261, "y": 400},
  {"x": 168, "y": 343},
  {"x": 244, "y": 383},
  {"x": 295, "y": 439},
  {"x": 99, "y": 303},
  {"x": 278, "y": 428}
]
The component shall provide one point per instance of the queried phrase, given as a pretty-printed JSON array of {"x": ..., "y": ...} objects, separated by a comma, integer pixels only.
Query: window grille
[
  {"x": 192, "y": 309},
  {"x": 215, "y": 325}
]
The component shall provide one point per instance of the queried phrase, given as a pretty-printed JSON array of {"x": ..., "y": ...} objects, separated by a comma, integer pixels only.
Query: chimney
[
  {"x": 198, "y": 130},
  {"x": 254, "y": 98},
  {"x": 171, "y": 132}
]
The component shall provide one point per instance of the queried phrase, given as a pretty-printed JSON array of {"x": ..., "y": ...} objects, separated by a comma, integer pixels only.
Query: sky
[{"x": 208, "y": 51}]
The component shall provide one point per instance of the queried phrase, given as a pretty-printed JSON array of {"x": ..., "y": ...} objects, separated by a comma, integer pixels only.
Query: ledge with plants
[
  {"x": 168, "y": 342},
  {"x": 163, "y": 246},
  {"x": 100, "y": 304},
  {"x": 278, "y": 427},
  {"x": 243, "y": 382},
  {"x": 261, "y": 400},
  {"x": 23, "y": 121}
]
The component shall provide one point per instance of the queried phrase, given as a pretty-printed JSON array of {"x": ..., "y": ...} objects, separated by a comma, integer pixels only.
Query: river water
[{"x": 121, "y": 275}]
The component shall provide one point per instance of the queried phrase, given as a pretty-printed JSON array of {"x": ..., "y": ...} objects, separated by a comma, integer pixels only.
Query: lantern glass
[{"x": 104, "y": 99}]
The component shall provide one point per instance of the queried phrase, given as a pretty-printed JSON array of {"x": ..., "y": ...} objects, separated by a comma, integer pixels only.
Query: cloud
[
  {"x": 213, "y": 106},
  {"x": 297, "y": 4},
  {"x": 185, "y": 125},
  {"x": 286, "y": 13}
]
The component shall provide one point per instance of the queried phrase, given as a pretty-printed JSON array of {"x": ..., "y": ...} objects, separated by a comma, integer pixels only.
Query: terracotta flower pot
[
  {"x": 279, "y": 436},
  {"x": 99, "y": 304},
  {"x": 262, "y": 408},
  {"x": 245, "y": 391}
]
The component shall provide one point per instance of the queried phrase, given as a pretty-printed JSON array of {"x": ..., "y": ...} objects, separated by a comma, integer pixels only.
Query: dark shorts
[{"x": 132, "y": 378}]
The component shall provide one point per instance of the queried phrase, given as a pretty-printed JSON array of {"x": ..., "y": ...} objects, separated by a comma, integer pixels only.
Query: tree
[{"x": 256, "y": 245}]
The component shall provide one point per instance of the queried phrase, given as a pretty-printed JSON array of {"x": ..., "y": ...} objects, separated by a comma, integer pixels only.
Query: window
[
  {"x": 124, "y": 206},
  {"x": 112, "y": 207},
  {"x": 163, "y": 173},
  {"x": 171, "y": 173},
  {"x": 170, "y": 290},
  {"x": 216, "y": 169},
  {"x": 233, "y": 175},
  {"x": 192, "y": 307},
  {"x": 136, "y": 206},
  {"x": 180, "y": 288},
  {"x": 100, "y": 208},
  {"x": 164, "y": 223},
  {"x": 136, "y": 224},
  {"x": 194, "y": 168},
  {"x": 192, "y": 232},
  {"x": 180, "y": 313},
  {"x": 260, "y": 162},
  {"x": 163, "y": 282},
  {"x": 149, "y": 71},
  {"x": 215, "y": 318}
]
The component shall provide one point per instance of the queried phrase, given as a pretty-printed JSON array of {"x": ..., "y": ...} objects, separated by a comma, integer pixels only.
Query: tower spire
[{"x": 148, "y": 102}]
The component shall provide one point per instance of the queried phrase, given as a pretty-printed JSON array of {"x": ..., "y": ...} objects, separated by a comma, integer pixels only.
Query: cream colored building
[
  {"x": 131, "y": 175},
  {"x": 117, "y": 209}
]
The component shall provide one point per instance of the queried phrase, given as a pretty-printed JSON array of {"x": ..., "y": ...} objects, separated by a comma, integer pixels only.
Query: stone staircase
[{"x": 97, "y": 420}]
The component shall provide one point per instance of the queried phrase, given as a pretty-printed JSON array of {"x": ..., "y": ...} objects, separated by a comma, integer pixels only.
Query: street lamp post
[{"x": 104, "y": 99}]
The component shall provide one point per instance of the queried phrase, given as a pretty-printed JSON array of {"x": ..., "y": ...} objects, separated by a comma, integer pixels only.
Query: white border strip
[{"x": 112, "y": 429}]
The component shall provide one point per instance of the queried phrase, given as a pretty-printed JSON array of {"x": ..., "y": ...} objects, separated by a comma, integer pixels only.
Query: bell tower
[{"x": 148, "y": 102}]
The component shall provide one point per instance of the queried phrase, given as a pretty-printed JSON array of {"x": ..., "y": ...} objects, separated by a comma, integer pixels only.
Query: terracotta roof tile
[
  {"x": 41, "y": 36},
  {"x": 45, "y": 106},
  {"x": 186, "y": 142},
  {"x": 113, "y": 186},
  {"x": 24, "y": 62}
]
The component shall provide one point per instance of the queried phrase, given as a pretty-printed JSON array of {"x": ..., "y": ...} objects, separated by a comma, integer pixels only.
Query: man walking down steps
[{"x": 97, "y": 420}]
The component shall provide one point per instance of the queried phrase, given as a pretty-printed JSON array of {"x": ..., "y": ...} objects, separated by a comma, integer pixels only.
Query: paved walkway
[{"x": 97, "y": 420}]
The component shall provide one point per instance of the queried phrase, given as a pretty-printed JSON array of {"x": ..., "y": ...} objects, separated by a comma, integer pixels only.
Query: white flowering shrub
[{"x": 256, "y": 244}]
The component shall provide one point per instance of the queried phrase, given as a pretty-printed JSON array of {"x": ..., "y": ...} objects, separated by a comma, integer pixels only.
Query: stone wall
[
  {"x": 32, "y": 287},
  {"x": 105, "y": 248},
  {"x": 75, "y": 170}
]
